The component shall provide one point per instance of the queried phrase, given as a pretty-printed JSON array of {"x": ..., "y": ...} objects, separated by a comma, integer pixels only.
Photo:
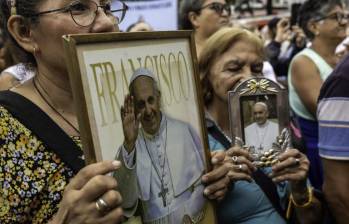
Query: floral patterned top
[{"x": 32, "y": 177}]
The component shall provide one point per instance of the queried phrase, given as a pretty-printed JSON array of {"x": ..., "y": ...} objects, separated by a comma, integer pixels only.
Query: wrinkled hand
[
  {"x": 217, "y": 181},
  {"x": 293, "y": 167},
  {"x": 78, "y": 204},
  {"x": 130, "y": 123},
  {"x": 241, "y": 166}
]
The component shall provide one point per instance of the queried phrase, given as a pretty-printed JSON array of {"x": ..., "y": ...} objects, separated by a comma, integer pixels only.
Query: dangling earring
[
  {"x": 13, "y": 9},
  {"x": 34, "y": 49}
]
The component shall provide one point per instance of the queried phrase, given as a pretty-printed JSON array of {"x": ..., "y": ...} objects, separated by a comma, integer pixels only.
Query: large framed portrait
[
  {"x": 259, "y": 119},
  {"x": 138, "y": 100}
]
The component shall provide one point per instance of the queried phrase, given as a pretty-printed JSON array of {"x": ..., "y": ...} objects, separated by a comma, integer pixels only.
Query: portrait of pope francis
[
  {"x": 262, "y": 133},
  {"x": 162, "y": 157}
]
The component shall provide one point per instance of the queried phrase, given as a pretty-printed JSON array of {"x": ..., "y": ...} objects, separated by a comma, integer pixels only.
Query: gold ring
[{"x": 102, "y": 206}]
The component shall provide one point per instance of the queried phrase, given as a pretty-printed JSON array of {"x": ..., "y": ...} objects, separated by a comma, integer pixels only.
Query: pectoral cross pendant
[{"x": 162, "y": 194}]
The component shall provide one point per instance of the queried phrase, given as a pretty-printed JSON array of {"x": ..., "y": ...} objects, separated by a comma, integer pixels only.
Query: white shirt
[
  {"x": 263, "y": 136},
  {"x": 174, "y": 157}
]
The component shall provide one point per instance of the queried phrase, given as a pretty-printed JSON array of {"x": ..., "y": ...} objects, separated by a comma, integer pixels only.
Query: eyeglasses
[
  {"x": 218, "y": 8},
  {"x": 340, "y": 17},
  {"x": 85, "y": 12}
]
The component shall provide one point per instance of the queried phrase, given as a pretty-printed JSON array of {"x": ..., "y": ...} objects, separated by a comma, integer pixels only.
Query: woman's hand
[
  {"x": 91, "y": 184},
  {"x": 217, "y": 181},
  {"x": 225, "y": 170},
  {"x": 240, "y": 163},
  {"x": 293, "y": 167}
]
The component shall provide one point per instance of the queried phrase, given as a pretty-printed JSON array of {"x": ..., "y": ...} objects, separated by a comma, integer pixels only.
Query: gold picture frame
[{"x": 100, "y": 67}]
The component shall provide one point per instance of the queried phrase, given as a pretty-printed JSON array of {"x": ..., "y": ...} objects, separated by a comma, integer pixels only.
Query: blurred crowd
[{"x": 306, "y": 52}]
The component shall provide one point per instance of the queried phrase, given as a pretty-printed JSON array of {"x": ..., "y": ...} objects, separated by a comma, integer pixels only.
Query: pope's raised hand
[{"x": 130, "y": 123}]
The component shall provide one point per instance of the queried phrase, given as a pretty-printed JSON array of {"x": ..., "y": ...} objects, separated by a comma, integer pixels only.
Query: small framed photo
[
  {"x": 259, "y": 118},
  {"x": 138, "y": 100}
]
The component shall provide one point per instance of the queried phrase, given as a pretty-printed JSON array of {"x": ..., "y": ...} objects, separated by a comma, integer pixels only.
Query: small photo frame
[
  {"x": 259, "y": 118},
  {"x": 160, "y": 177}
]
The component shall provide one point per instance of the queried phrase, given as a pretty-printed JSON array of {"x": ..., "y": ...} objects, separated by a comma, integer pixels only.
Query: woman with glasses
[
  {"x": 42, "y": 173},
  {"x": 324, "y": 23},
  {"x": 40, "y": 138},
  {"x": 205, "y": 17},
  {"x": 256, "y": 195}
]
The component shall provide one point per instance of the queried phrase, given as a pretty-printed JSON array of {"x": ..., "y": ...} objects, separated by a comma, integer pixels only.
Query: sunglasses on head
[{"x": 218, "y": 7}]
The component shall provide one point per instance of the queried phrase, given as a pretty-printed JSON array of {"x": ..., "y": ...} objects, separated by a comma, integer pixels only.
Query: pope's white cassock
[
  {"x": 263, "y": 136},
  {"x": 164, "y": 172}
]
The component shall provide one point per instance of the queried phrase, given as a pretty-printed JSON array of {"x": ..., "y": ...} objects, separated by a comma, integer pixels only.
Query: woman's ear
[
  {"x": 313, "y": 27},
  {"x": 21, "y": 33},
  {"x": 194, "y": 19}
]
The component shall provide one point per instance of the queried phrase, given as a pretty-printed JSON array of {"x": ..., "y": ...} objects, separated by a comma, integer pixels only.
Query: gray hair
[{"x": 263, "y": 104}]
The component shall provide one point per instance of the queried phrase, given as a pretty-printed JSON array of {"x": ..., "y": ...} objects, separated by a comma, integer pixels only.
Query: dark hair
[
  {"x": 185, "y": 8},
  {"x": 313, "y": 9},
  {"x": 26, "y": 9},
  {"x": 272, "y": 24}
]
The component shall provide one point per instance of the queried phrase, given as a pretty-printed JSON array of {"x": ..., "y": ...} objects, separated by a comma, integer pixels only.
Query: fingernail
[
  {"x": 116, "y": 164},
  {"x": 206, "y": 191},
  {"x": 214, "y": 160}
]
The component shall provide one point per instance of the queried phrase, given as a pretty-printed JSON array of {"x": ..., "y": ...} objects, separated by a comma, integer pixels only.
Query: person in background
[
  {"x": 205, "y": 17},
  {"x": 140, "y": 25},
  {"x": 15, "y": 75},
  {"x": 332, "y": 113},
  {"x": 11, "y": 73},
  {"x": 243, "y": 5},
  {"x": 3, "y": 52},
  {"x": 285, "y": 43},
  {"x": 45, "y": 179},
  {"x": 6, "y": 56},
  {"x": 324, "y": 22},
  {"x": 343, "y": 49},
  {"x": 230, "y": 56}
]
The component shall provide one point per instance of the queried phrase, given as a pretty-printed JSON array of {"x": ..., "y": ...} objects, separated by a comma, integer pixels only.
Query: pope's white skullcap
[{"x": 141, "y": 72}]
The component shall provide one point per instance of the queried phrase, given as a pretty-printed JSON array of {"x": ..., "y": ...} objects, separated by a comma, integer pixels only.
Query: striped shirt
[{"x": 333, "y": 114}]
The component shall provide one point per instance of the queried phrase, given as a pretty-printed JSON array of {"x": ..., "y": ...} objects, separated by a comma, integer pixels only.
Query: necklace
[
  {"x": 163, "y": 190},
  {"x": 51, "y": 106}
]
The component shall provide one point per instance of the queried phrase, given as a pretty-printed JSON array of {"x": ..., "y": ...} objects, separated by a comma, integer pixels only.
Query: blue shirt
[{"x": 246, "y": 203}]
